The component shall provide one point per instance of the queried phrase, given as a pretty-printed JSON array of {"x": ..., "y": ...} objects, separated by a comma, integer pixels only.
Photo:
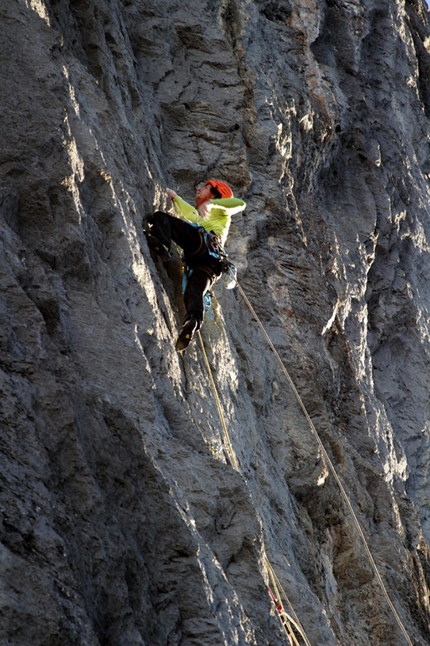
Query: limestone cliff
[{"x": 124, "y": 521}]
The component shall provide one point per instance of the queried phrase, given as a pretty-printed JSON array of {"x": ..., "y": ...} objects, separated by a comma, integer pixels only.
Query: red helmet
[{"x": 222, "y": 187}]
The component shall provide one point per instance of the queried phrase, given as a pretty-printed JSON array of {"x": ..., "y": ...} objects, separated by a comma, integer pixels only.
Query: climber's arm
[
  {"x": 182, "y": 208},
  {"x": 231, "y": 205}
]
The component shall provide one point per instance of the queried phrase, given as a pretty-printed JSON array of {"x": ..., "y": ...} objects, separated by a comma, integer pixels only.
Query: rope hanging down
[
  {"x": 218, "y": 403},
  {"x": 332, "y": 469},
  {"x": 286, "y": 620}
]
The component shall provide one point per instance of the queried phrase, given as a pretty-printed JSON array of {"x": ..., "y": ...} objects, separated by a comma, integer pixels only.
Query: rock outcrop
[{"x": 124, "y": 519}]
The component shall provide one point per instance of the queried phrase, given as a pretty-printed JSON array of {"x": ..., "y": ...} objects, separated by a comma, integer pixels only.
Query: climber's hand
[{"x": 170, "y": 193}]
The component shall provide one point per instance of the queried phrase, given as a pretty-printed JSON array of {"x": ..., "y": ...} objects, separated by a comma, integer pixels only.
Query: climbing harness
[
  {"x": 332, "y": 469},
  {"x": 211, "y": 240},
  {"x": 212, "y": 243}
]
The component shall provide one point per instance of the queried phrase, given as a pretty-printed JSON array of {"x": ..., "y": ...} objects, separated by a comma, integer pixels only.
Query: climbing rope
[
  {"x": 284, "y": 619},
  {"x": 287, "y": 621},
  {"x": 332, "y": 469},
  {"x": 218, "y": 403}
]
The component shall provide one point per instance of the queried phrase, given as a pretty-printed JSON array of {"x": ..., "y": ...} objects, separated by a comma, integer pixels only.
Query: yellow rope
[
  {"x": 289, "y": 620},
  {"x": 218, "y": 403},
  {"x": 332, "y": 469},
  {"x": 236, "y": 466}
]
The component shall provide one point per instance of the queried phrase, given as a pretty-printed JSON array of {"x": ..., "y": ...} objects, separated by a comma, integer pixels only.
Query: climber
[{"x": 201, "y": 232}]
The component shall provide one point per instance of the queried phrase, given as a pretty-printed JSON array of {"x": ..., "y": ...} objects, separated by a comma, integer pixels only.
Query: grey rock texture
[{"x": 123, "y": 521}]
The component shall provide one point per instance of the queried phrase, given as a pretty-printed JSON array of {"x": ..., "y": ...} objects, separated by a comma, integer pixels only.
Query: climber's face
[{"x": 203, "y": 193}]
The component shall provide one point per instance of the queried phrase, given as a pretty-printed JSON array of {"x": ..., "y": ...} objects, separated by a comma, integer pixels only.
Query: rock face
[{"x": 124, "y": 519}]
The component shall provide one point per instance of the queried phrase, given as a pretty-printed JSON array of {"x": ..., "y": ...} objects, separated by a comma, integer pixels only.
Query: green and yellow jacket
[{"x": 218, "y": 218}]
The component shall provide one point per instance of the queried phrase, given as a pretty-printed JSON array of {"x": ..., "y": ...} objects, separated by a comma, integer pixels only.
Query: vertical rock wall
[{"x": 124, "y": 522}]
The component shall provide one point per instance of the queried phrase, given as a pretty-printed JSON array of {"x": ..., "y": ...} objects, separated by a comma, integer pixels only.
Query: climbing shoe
[
  {"x": 155, "y": 245},
  {"x": 186, "y": 334}
]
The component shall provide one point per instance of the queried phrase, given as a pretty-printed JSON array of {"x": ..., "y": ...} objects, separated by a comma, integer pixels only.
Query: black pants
[{"x": 205, "y": 267}]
